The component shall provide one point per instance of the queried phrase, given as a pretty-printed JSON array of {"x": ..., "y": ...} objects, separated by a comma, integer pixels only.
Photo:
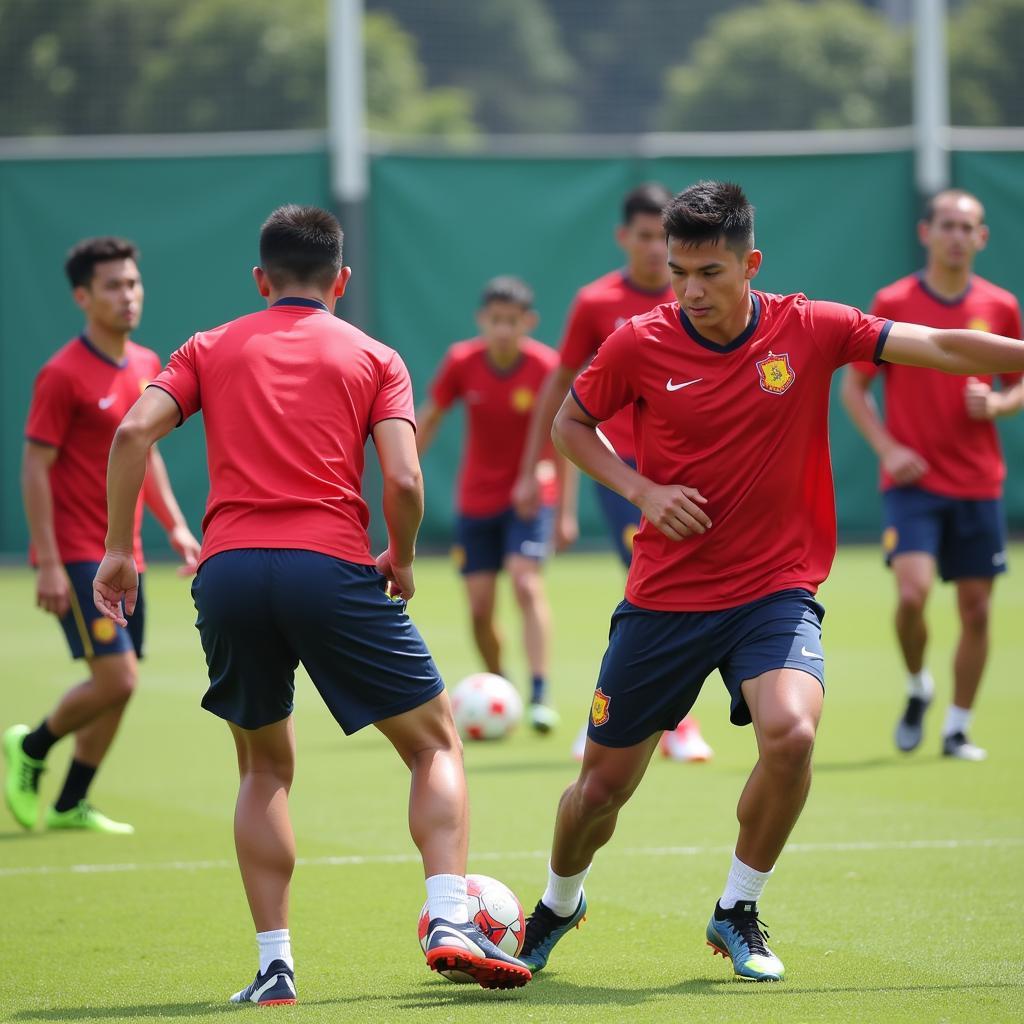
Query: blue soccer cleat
[
  {"x": 463, "y": 950},
  {"x": 739, "y": 935},
  {"x": 273, "y": 987},
  {"x": 544, "y": 928}
]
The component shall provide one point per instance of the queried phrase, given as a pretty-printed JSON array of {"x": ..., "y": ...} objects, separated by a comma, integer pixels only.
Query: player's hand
[
  {"x": 526, "y": 496},
  {"x": 53, "y": 590},
  {"x": 982, "y": 401},
  {"x": 567, "y": 530},
  {"x": 675, "y": 510},
  {"x": 187, "y": 547},
  {"x": 399, "y": 577},
  {"x": 904, "y": 465},
  {"x": 116, "y": 580}
]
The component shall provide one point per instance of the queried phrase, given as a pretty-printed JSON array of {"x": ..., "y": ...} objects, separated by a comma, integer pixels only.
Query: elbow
[
  {"x": 407, "y": 483},
  {"x": 131, "y": 435},
  {"x": 558, "y": 432}
]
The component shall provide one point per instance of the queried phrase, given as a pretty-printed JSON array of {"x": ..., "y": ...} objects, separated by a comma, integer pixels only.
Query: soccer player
[
  {"x": 289, "y": 397},
  {"x": 941, "y": 462},
  {"x": 80, "y": 396},
  {"x": 729, "y": 389},
  {"x": 600, "y": 308},
  {"x": 497, "y": 375}
]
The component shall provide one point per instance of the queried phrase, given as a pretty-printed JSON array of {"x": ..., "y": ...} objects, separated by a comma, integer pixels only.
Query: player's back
[{"x": 289, "y": 396}]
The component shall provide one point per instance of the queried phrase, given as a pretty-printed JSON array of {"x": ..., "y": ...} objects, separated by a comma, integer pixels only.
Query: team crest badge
[
  {"x": 977, "y": 323},
  {"x": 599, "y": 711},
  {"x": 522, "y": 399},
  {"x": 775, "y": 373},
  {"x": 104, "y": 631}
]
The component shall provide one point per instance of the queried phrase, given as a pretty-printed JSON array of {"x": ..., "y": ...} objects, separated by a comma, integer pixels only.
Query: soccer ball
[
  {"x": 495, "y": 910},
  {"x": 486, "y": 707}
]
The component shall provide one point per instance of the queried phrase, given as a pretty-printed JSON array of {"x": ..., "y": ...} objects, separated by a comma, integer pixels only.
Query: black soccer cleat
[
  {"x": 273, "y": 987},
  {"x": 910, "y": 728}
]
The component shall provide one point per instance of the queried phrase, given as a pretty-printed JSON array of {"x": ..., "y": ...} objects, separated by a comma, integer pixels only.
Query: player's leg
[
  {"x": 911, "y": 541},
  {"x": 481, "y": 595},
  {"x": 480, "y": 552},
  {"x": 973, "y": 554}
]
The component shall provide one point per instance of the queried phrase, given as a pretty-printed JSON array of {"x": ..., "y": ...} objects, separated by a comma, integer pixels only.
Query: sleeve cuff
[
  {"x": 181, "y": 412},
  {"x": 882, "y": 338},
  {"x": 579, "y": 402}
]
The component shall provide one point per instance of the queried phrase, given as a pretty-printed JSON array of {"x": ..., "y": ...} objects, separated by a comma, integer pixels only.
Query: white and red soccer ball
[
  {"x": 495, "y": 910},
  {"x": 486, "y": 707}
]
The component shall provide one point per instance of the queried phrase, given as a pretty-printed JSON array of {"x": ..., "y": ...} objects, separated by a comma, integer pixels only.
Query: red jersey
[
  {"x": 498, "y": 406},
  {"x": 925, "y": 409},
  {"x": 747, "y": 425},
  {"x": 80, "y": 397},
  {"x": 289, "y": 396},
  {"x": 599, "y": 308}
]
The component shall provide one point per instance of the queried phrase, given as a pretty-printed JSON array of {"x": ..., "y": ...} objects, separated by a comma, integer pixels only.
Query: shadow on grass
[{"x": 160, "y": 1011}]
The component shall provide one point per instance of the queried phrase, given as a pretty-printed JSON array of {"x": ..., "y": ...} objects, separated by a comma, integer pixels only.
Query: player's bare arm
[
  {"x": 395, "y": 441},
  {"x": 985, "y": 403},
  {"x": 673, "y": 509},
  {"x": 152, "y": 417},
  {"x": 159, "y": 498},
  {"x": 526, "y": 493},
  {"x": 51, "y": 581},
  {"x": 903, "y": 464},
  {"x": 567, "y": 527},
  {"x": 428, "y": 418},
  {"x": 953, "y": 351}
]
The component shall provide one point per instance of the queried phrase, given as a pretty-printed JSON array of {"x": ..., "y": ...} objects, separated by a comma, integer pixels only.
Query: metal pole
[
  {"x": 931, "y": 96},
  {"x": 346, "y": 132}
]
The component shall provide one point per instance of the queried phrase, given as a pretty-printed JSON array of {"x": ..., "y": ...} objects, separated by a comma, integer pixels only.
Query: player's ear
[
  {"x": 259, "y": 275},
  {"x": 982, "y": 237},
  {"x": 753, "y": 264},
  {"x": 923, "y": 228},
  {"x": 620, "y": 235},
  {"x": 530, "y": 321},
  {"x": 341, "y": 282},
  {"x": 81, "y": 295}
]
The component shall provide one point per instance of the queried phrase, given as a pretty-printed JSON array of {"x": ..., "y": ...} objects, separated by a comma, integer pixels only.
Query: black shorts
[
  {"x": 264, "y": 610},
  {"x": 90, "y": 634}
]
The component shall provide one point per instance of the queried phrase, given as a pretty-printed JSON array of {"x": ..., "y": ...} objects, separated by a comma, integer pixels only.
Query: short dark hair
[
  {"x": 650, "y": 197},
  {"x": 507, "y": 289},
  {"x": 80, "y": 265},
  {"x": 709, "y": 211},
  {"x": 301, "y": 245},
  {"x": 950, "y": 193}
]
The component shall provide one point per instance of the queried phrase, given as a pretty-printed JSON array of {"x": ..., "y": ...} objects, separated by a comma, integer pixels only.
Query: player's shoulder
[
  {"x": 993, "y": 293},
  {"x": 606, "y": 288},
  {"x": 466, "y": 350},
  {"x": 900, "y": 290},
  {"x": 141, "y": 355},
  {"x": 536, "y": 351},
  {"x": 69, "y": 360}
]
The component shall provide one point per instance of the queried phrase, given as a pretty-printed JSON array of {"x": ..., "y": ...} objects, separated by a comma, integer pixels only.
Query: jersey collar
[
  {"x": 295, "y": 300},
  {"x": 629, "y": 283},
  {"x": 736, "y": 342},
  {"x": 941, "y": 299},
  {"x": 83, "y": 338}
]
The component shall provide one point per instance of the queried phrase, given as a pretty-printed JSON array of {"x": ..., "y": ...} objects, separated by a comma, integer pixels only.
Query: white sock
[
  {"x": 920, "y": 684},
  {"x": 562, "y": 896},
  {"x": 275, "y": 945},
  {"x": 743, "y": 883},
  {"x": 446, "y": 898},
  {"x": 957, "y": 720}
]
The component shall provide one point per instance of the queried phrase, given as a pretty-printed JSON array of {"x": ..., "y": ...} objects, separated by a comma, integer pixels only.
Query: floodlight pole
[
  {"x": 346, "y": 134},
  {"x": 931, "y": 96}
]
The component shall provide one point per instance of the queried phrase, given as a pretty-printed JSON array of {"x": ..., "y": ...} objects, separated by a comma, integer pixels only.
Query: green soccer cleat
[
  {"x": 86, "y": 819},
  {"x": 21, "y": 786},
  {"x": 740, "y": 935},
  {"x": 543, "y": 719}
]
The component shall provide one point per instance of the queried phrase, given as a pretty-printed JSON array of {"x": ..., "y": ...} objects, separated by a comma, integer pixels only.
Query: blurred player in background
[
  {"x": 80, "y": 397},
  {"x": 598, "y": 309},
  {"x": 497, "y": 376},
  {"x": 729, "y": 388},
  {"x": 290, "y": 395},
  {"x": 941, "y": 462}
]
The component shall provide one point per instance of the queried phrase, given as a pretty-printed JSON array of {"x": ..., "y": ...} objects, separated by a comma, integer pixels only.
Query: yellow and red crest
[
  {"x": 522, "y": 399},
  {"x": 775, "y": 373},
  {"x": 600, "y": 709},
  {"x": 104, "y": 631}
]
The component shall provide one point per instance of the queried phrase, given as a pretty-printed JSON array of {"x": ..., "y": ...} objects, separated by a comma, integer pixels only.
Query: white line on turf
[{"x": 412, "y": 858}]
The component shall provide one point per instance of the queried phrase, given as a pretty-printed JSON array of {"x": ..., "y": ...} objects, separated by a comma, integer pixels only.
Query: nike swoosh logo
[
  {"x": 810, "y": 654},
  {"x": 106, "y": 403},
  {"x": 686, "y": 383}
]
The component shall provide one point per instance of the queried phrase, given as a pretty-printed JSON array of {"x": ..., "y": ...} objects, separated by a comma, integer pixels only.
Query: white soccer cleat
[
  {"x": 685, "y": 743},
  {"x": 580, "y": 744}
]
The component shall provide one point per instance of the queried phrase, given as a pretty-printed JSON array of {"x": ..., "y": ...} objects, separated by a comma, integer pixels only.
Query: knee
[
  {"x": 788, "y": 747},
  {"x": 598, "y": 794},
  {"x": 526, "y": 586},
  {"x": 974, "y": 615},
  {"x": 117, "y": 683},
  {"x": 482, "y": 618},
  {"x": 912, "y": 596},
  {"x": 280, "y": 769}
]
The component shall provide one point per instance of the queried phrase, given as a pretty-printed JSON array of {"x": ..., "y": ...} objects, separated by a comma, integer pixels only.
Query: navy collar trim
[
  {"x": 742, "y": 339},
  {"x": 941, "y": 299},
  {"x": 101, "y": 355},
  {"x": 295, "y": 300},
  {"x": 634, "y": 287}
]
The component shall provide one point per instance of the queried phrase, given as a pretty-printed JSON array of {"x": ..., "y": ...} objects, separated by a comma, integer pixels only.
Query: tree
[
  {"x": 987, "y": 77},
  {"x": 787, "y": 65}
]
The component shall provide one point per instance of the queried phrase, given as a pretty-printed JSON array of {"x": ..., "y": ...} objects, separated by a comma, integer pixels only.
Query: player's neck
[
  {"x": 299, "y": 292},
  {"x": 504, "y": 356},
  {"x": 726, "y": 332},
  {"x": 111, "y": 343},
  {"x": 945, "y": 282}
]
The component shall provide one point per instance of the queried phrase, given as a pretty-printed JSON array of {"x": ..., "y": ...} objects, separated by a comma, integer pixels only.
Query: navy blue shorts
[
  {"x": 621, "y": 517},
  {"x": 657, "y": 662},
  {"x": 967, "y": 538},
  {"x": 262, "y": 611},
  {"x": 482, "y": 543},
  {"x": 91, "y": 634}
]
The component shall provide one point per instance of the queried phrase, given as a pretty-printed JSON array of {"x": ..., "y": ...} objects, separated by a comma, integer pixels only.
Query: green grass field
[{"x": 899, "y": 899}]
